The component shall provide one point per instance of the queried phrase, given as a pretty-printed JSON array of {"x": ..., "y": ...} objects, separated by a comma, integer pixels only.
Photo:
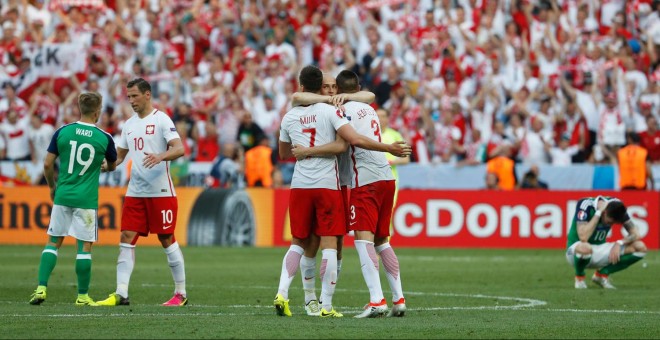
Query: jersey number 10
[{"x": 77, "y": 156}]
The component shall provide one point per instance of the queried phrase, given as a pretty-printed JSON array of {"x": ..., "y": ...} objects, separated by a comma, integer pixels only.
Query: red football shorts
[
  {"x": 316, "y": 210},
  {"x": 371, "y": 207},
  {"x": 144, "y": 215}
]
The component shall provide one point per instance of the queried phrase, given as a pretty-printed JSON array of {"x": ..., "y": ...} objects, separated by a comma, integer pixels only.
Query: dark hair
[
  {"x": 634, "y": 137},
  {"x": 617, "y": 211},
  {"x": 311, "y": 78},
  {"x": 348, "y": 82},
  {"x": 141, "y": 84},
  {"x": 89, "y": 103}
]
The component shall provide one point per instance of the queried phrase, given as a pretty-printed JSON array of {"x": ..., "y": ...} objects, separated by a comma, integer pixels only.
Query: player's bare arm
[
  {"x": 174, "y": 151},
  {"x": 325, "y": 150},
  {"x": 308, "y": 98},
  {"x": 360, "y": 96},
  {"x": 285, "y": 150},
  {"x": 633, "y": 233},
  {"x": 348, "y": 133},
  {"x": 49, "y": 173},
  {"x": 121, "y": 155}
]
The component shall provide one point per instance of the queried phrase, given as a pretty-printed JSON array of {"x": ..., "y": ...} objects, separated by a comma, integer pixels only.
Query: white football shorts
[
  {"x": 79, "y": 223},
  {"x": 600, "y": 254}
]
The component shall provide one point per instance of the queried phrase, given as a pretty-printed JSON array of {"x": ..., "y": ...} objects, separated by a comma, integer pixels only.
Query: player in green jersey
[
  {"x": 587, "y": 246},
  {"x": 82, "y": 149}
]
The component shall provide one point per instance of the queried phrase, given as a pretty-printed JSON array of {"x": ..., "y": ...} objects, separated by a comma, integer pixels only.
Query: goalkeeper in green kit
[
  {"x": 587, "y": 248},
  {"x": 84, "y": 151}
]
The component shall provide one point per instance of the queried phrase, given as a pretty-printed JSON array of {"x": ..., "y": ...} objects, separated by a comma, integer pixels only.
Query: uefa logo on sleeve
[{"x": 581, "y": 215}]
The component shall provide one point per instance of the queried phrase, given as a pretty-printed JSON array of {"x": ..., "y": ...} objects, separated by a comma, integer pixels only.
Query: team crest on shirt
[
  {"x": 582, "y": 215},
  {"x": 151, "y": 129}
]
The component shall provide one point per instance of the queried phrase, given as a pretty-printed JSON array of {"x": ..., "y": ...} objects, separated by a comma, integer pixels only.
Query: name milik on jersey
[{"x": 304, "y": 120}]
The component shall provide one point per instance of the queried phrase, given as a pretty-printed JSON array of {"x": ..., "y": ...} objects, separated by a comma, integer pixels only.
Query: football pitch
[{"x": 450, "y": 293}]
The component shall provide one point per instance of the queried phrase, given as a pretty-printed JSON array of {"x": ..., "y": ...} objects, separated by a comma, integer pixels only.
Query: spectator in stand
[
  {"x": 532, "y": 179},
  {"x": 39, "y": 136},
  {"x": 259, "y": 161},
  {"x": 611, "y": 133},
  {"x": 635, "y": 171},
  {"x": 562, "y": 155},
  {"x": 650, "y": 139},
  {"x": 573, "y": 124},
  {"x": 249, "y": 133},
  {"x": 14, "y": 130},
  {"x": 475, "y": 150},
  {"x": 206, "y": 140},
  {"x": 492, "y": 182},
  {"x": 447, "y": 139},
  {"x": 10, "y": 101},
  {"x": 227, "y": 169},
  {"x": 533, "y": 149},
  {"x": 504, "y": 167}
]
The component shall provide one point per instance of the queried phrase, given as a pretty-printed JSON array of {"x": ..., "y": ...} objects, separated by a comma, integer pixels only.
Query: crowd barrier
[
  {"x": 421, "y": 218},
  {"x": 411, "y": 176}
]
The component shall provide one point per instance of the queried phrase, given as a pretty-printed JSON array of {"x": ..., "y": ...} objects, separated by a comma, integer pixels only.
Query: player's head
[
  {"x": 633, "y": 138},
  {"x": 615, "y": 212},
  {"x": 310, "y": 79},
  {"x": 348, "y": 82},
  {"x": 90, "y": 105},
  {"x": 329, "y": 87},
  {"x": 139, "y": 94},
  {"x": 383, "y": 118}
]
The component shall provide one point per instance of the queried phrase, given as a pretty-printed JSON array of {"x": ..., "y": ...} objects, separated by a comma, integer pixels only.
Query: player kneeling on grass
[
  {"x": 82, "y": 149},
  {"x": 586, "y": 245}
]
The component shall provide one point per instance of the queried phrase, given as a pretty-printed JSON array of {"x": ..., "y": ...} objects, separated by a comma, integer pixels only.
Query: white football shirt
[
  {"x": 313, "y": 125},
  {"x": 368, "y": 166},
  {"x": 149, "y": 134}
]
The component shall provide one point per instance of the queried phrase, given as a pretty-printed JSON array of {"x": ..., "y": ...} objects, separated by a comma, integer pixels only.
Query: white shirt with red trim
[
  {"x": 368, "y": 166},
  {"x": 151, "y": 135},
  {"x": 309, "y": 126}
]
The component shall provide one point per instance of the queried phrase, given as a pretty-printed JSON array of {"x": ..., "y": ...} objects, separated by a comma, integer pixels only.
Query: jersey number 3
[{"x": 76, "y": 156}]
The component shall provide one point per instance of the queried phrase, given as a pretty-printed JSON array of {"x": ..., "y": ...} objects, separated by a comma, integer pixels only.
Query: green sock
[
  {"x": 624, "y": 262},
  {"x": 47, "y": 264},
  {"x": 581, "y": 262},
  {"x": 83, "y": 269}
]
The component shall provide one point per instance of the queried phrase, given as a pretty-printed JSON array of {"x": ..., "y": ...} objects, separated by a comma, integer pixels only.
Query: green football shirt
[
  {"x": 584, "y": 211},
  {"x": 81, "y": 148}
]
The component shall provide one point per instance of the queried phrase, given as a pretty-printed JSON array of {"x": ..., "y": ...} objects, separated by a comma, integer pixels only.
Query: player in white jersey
[
  {"x": 315, "y": 188},
  {"x": 308, "y": 259},
  {"x": 150, "y": 139},
  {"x": 371, "y": 201}
]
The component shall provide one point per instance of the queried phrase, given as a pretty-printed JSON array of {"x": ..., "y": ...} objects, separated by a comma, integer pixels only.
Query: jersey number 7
[{"x": 312, "y": 132}]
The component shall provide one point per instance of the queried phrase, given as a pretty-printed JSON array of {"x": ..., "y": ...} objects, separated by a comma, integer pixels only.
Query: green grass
[{"x": 450, "y": 293}]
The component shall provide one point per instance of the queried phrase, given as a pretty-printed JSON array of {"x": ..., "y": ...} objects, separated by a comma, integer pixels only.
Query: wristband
[
  {"x": 619, "y": 242},
  {"x": 598, "y": 213}
]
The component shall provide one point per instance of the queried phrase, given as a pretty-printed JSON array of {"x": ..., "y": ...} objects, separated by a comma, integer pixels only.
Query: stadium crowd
[{"x": 540, "y": 81}]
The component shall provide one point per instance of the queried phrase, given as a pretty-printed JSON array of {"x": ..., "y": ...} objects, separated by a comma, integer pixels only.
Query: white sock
[
  {"x": 308, "y": 271},
  {"x": 175, "y": 260},
  {"x": 391, "y": 264},
  {"x": 125, "y": 264},
  {"x": 290, "y": 265},
  {"x": 369, "y": 263},
  {"x": 328, "y": 277},
  {"x": 338, "y": 268}
]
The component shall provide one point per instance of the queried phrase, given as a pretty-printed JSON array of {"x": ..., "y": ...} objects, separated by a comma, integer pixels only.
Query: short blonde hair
[{"x": 89, "y": 103}]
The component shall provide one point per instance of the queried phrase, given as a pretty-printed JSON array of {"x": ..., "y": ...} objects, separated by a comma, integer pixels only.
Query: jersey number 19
[{"x": 77, "y": 156}]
